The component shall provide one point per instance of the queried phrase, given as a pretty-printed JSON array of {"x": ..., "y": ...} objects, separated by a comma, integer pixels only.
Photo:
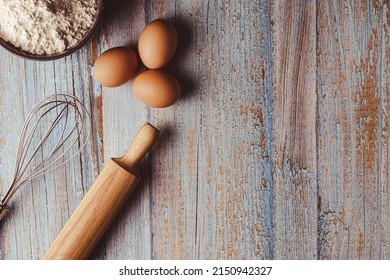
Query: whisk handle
[{"x": 3, "y": 211}]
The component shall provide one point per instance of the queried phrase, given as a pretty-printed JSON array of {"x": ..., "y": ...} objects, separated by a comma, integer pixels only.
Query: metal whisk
[{"x": 54, "y": 132}]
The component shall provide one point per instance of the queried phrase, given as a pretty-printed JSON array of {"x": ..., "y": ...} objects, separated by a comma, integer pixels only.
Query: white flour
[{"x": 46, "y": 26}]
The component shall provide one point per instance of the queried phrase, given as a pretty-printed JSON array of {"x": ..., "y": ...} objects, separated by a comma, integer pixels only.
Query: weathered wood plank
[
  {"x": 294, "y": 130},
  {"x": 353, "y": 134},
  {"x": 174, "y": 165},
  {"x": 11, "y": 121},
  {"x": 233, "y": 45}
]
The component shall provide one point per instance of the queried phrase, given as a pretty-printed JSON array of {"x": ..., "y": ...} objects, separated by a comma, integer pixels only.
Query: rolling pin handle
[{"x": 144, "y": 140}]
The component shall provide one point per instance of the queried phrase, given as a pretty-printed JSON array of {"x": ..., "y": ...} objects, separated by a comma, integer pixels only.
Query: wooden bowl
[{"x": 21, "y": 53}]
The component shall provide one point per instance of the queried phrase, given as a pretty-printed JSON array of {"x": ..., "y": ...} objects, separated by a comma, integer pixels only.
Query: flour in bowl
[{"x": 46, "y": 26}]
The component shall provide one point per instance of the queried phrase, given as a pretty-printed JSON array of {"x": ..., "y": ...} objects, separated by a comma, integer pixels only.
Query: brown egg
[
  {"x": 156, "y": 88},
  {"x": 157, "y": 43},
  {"x": 115, "y": 66}
]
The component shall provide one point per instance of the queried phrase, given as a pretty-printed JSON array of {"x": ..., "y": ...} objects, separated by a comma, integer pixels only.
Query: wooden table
[{"x": 278, "y": 149}]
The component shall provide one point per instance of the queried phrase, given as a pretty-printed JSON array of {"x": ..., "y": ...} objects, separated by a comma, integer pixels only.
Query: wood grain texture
[
  {"x": 294, "y": 137},
  {"x": 353, "y": 135},
  {"x": 277, "y": 149}
]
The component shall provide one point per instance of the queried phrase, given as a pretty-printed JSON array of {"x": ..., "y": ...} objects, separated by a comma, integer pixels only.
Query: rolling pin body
[{"x": 103, "y": 201}]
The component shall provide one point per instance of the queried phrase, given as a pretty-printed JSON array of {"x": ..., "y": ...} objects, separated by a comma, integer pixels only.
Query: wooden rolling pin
[{"x": 103, "y": 201}]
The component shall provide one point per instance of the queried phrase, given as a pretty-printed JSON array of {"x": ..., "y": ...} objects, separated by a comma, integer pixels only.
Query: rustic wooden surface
[{"x": 278, "y": 148}]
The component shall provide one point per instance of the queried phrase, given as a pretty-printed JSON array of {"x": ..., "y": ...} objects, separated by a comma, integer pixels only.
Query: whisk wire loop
[
  {"x": 69, "y": 135},
  {"x": 26, "y": 146}
]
